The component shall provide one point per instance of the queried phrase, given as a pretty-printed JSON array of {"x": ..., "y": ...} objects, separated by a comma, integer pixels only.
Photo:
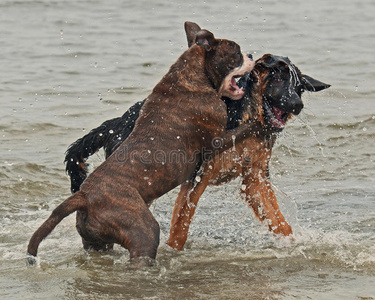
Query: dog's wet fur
[
  {"x": 273, "y": 93},
  {"x": 184, "y": 114}
]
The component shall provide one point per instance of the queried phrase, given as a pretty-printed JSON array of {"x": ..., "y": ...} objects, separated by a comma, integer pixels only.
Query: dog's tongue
[
  {"x": 278, "y": 113},
  {"x": 278, "y": 121}
]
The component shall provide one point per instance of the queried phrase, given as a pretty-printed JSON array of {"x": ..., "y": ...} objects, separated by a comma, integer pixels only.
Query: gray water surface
[{"x": 66, "y": 66}]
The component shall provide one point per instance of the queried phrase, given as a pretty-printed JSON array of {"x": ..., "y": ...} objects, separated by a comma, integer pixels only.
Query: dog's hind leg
[
  {"x": 135, "y": 227},
  {"x": 123, "y": 218},
  {"x": 96, "y": 246}
]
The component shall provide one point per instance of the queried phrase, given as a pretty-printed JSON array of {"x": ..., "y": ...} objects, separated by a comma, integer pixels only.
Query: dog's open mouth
[
  {"x": 275, "y": 116},
  {"x": 234, "y": 88},
  {"x": 229, "y": 87}
]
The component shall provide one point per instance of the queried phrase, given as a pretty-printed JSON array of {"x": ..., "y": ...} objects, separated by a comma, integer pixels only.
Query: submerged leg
[
  {"x": 96, "y": 246},
  {"x": 124, "y": 220}
]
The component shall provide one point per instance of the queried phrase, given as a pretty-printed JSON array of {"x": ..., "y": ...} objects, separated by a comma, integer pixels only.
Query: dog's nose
[
  {"x": 297, "y": 107},
  {"x": 250, "y": 56},
  {"x": 248, "y": 63}
]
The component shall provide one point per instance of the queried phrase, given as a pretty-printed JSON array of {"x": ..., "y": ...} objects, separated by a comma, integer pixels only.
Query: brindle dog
[
  {"x": 183, "y": 115},
  {"x": 273, "y": 95}
]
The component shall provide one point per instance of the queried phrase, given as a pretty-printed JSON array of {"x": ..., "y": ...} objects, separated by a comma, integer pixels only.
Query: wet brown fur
[
  {"x": 183, "y": 114},
  {"x": 249, "y": 160}
]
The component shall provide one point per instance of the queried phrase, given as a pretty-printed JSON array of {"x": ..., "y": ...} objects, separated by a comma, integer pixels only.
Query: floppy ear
[
  {"x": 191, "y": 30},
  {"x": 206, "y": 39},
  {"x": 313, "y": 85}
]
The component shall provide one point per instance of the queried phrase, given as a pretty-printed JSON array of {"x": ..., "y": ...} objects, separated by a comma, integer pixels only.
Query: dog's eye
[{"x": 239, "y": 56}]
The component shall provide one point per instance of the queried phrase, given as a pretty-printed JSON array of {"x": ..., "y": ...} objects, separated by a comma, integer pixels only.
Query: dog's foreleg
[
  {"x": 261, "y": 198},
  {"x": 184, "y": 210}
]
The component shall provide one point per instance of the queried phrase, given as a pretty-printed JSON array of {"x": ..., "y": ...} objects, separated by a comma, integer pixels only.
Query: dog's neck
[
  {"x": 252, "y": 104},
  {"x": 187, "y": 74},
  {"x": 253, "y": 112},
  {"x": 249, "y": 109}
]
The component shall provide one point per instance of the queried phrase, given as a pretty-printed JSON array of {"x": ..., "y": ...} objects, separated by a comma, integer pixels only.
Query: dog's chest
[{"x": 236, "y": 161}]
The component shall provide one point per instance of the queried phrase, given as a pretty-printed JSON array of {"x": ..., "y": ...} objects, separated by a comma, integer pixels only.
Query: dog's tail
[
  {"x": 81, "y": 149},
  {"x": 70, "y": 205},
  {"x": 108, "y": 135}
]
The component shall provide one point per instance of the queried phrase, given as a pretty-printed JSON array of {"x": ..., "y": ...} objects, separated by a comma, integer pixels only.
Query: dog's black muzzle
[
  {"x": 291, "y": 104},
  {"x": 294, "y": 104}
]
